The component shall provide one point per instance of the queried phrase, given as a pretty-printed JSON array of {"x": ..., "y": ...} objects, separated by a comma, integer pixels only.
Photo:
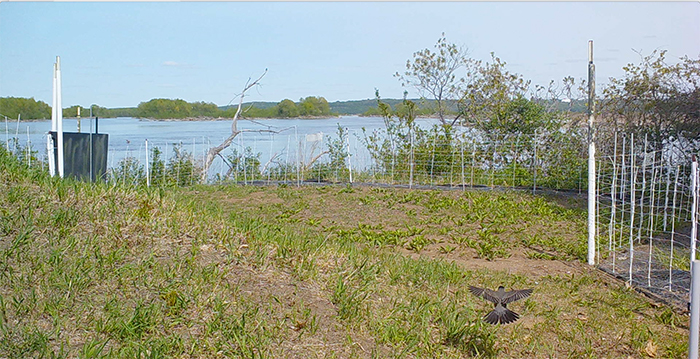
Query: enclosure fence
[
  {"x": 645, "y": 203},
  {"x": 646, "y": 215}
]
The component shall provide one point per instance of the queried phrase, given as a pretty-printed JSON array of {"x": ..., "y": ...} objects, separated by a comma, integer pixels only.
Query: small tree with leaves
[
  {"x": 657, "y": 99},
  {"x": 434, "y": 74}
]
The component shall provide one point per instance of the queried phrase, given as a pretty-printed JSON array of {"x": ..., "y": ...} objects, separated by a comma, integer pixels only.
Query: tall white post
[
  {"x": 633, "y": 191},
  {"x": 694, "y": 210},
  {"x": 29, "y": 149},
  {"x": 7, "y": 136},
  {"x": 59, "y": 117},
  {"x": 49, "y": 140},
  {"x": 54, "y": 101},
  {"x": 349, "y": 164},
  {"x": 591, "y": 157},
  {"x": 694, "y": 310},
  {"x": 148, "y": 173}
]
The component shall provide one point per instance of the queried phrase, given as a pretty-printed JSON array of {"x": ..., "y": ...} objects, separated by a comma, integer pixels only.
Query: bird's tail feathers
[{"x": 501, "y": 317}]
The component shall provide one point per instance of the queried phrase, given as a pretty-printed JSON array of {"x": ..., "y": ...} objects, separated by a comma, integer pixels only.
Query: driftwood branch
[
  {"x": 313, "y": 160},
  {"x": 272, "y": 160},
  {"x": 214, "y": 151}
]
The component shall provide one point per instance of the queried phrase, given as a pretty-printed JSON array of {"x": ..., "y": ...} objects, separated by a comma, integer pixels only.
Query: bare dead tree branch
[
  {"x": 214, "y": 151},
  {"x": 272, "y": 160},
  {"x": 313, "y": 160}
]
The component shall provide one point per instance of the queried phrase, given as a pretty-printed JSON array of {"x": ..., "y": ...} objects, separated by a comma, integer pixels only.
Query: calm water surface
[{"x": 127, "y": 136}]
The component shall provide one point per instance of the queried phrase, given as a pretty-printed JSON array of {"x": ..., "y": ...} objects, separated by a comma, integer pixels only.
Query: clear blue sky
[{"x": 118, "y": 54}]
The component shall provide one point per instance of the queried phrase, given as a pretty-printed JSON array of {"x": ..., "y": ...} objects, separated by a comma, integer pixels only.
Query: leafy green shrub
[
  {"x": 129, "y": 171},
  {"x": 243, "y": 166},
  {"x": 181, "y": 169}
]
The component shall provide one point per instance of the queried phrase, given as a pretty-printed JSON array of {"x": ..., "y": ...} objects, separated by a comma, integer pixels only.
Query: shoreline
[{"x": 207, "y": 118}]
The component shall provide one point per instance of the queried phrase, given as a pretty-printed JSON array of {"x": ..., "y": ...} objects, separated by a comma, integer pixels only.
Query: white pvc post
[
  {"x": 591, "y": 157},
  {"x": 633, "y": 191},
  {"x": 349, "y": 164},
  {"x": 19, "y": 116},
  {"x": 148, "y": 174},
  {"x": 299, "y": 154},
  {"x": 54, "y": 102},
  {"x": 694, "y": 310},
  {"x": 29, "y": 149},
  {"x": 59, "y": 117},
  {"x": 694, "y": 212},
  {"x": 651, "y": 220},
  {"x": 410, "y": 176},
  {"x": 7, "y": 136},
  {"x": 673, "y": 230},
  {"x": 668, "y": 186},
  {"x": 613, "y": 214},
  {"x": 49, "y": 140}
]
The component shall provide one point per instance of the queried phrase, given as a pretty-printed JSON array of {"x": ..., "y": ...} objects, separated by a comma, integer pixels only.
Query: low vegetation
[{"x": 107, "y": 270}]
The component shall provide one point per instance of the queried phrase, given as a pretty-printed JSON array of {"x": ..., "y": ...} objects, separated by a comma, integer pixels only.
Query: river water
[{"x": 280, "y": 138}]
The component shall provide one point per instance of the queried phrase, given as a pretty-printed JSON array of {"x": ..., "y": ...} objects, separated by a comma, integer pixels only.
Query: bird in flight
[{"x": 500, "y": 314}]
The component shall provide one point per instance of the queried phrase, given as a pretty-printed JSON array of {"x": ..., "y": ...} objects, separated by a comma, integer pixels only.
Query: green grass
[{"x": 106, "y": 271}]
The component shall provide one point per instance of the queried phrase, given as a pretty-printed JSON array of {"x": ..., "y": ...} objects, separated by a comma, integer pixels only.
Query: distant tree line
[
  {"x": 161, "y": 108},
  {"x": 311, "y": 106},
  {"x": 28, "y": 108},
  {"x": 165, "y": 108},
  {"x": 31, "y": 109}
]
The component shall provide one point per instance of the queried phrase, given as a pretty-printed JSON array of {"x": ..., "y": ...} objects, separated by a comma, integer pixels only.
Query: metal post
[
  {"x": 591, "y": 157},
  {"x": 78, "y": 119},
  {"x": 694, "y": 310}
]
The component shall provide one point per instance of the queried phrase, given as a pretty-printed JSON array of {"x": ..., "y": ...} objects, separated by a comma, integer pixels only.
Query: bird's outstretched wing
[
  {"x": 487, "y": 294},
  {"x": 514, "y": 295}
]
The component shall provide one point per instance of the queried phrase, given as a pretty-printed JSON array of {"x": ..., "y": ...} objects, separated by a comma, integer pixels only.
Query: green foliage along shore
[
  {"x": 28, "y": 108},
  {"x": 311, "y": 106},
  {"x": 161, "y": 108}
]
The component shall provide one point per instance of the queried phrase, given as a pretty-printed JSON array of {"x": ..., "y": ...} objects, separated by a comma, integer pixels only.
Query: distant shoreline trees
[
  {"x": 161, "y": 109},
  {"x": 28, "y": 108}
]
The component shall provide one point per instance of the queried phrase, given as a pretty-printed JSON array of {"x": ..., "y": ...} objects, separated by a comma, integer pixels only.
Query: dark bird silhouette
[{"x": 500, "y": 314}]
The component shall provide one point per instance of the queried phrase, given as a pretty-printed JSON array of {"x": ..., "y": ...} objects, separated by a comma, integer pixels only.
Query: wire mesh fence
[
  {"x": 644, "y": 195},
  {"x": 426, "y": 157},
  {"x": 645, "y": 205}
]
